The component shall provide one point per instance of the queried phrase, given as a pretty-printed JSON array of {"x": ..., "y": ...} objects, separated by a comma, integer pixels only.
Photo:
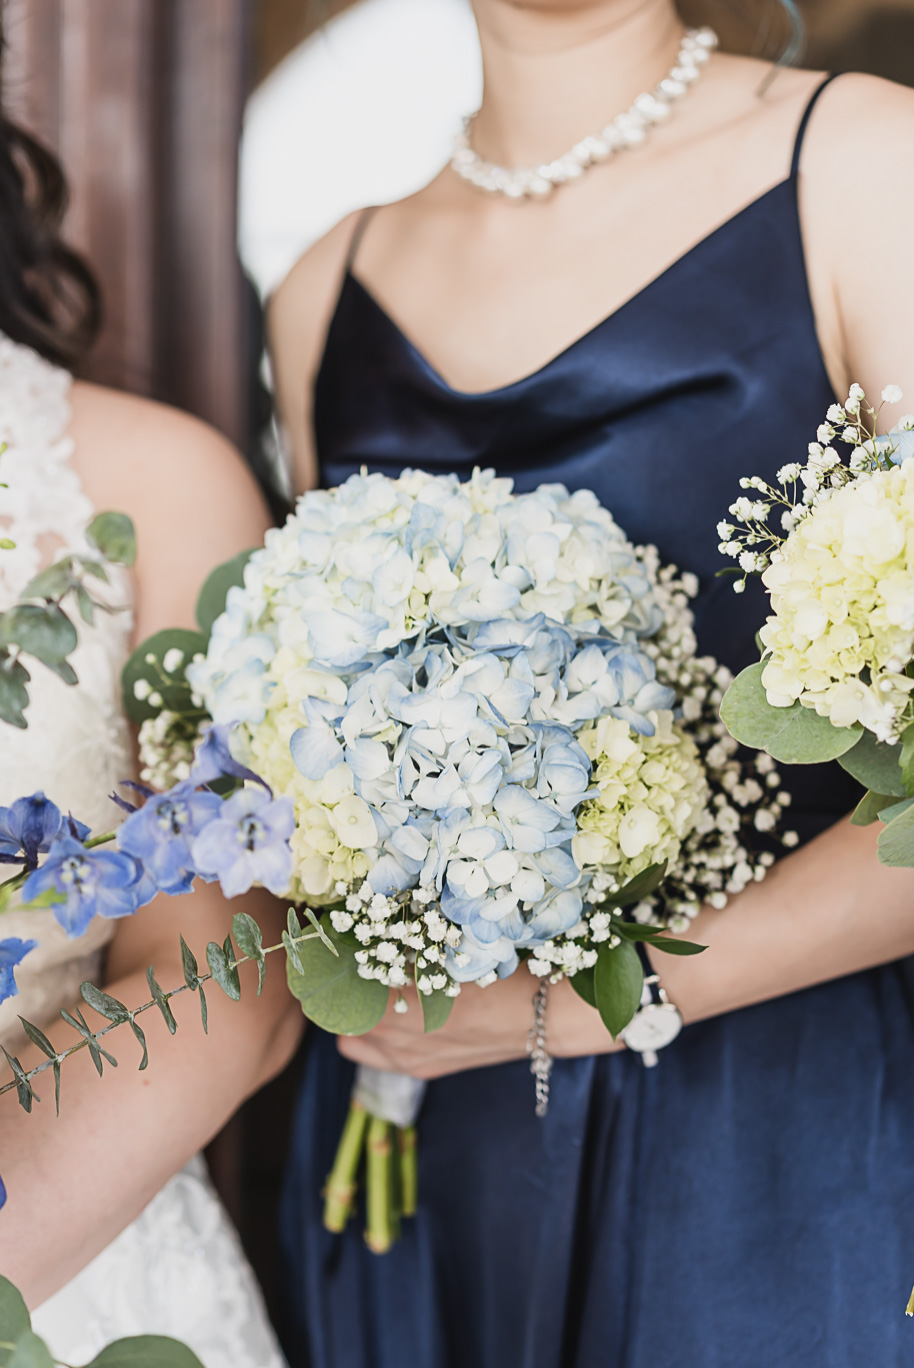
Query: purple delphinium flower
[
  {"x": 89, "y": 882},
  {"x": 213, "y": 759},
  {"x": 160, "y": 833},
  {"x": 12, "y": 952},
  {"x": 248, "y": 843},
  {"x": 28, "y": 827}
]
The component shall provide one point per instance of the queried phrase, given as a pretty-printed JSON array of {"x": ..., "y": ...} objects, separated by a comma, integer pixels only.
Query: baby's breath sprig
[{"x": 752, "y": 541}]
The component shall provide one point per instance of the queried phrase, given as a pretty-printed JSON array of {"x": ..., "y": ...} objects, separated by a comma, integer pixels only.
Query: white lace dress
[{"x": 178, "y": 1269}]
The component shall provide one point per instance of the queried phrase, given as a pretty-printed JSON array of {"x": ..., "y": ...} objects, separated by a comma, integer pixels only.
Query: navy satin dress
[{"x": 749, "y": 1203}]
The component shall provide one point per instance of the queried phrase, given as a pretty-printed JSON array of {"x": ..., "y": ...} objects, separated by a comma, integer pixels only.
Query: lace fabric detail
[{"x": 178, "y": 1269}]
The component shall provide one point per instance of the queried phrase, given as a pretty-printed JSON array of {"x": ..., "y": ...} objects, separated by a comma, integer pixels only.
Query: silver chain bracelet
[{"x": 540, "y": 1058}]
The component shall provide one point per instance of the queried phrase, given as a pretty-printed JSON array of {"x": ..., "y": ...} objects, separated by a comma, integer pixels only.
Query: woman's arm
[
  {"x": 76, "y": 1181},
  {"x": 830, "y": 909}
]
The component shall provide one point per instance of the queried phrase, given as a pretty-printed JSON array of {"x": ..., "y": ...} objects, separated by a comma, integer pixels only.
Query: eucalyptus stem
[
  {"x": 54, "y": 1063},
  {"x": 342, "y": 1182}
]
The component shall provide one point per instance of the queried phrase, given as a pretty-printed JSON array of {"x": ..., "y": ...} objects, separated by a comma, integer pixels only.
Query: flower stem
[
  {"x": 342, "y": 1182},
  {"x": 409, "y": 1174},
  {"x": 379, "y": 1183}
]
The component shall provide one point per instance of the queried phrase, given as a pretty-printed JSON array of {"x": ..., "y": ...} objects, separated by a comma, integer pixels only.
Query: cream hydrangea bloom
[
  {"x": 653, "y": 792},
  {"x": 842, "y": 591}
]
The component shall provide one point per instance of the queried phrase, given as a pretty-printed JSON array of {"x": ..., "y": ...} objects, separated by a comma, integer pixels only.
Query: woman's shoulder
[
  {"x": 863, "y": 127},
  {"x": 192, "y": 499}
]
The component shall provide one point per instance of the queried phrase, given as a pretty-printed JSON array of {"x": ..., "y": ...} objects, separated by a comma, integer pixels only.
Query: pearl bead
[{"x": 627, "y": 130}]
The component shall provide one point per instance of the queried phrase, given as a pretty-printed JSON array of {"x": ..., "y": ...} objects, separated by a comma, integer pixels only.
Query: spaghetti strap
[
  {"x": 804, "y": 122},
  {"x": 357, "y": 235}
]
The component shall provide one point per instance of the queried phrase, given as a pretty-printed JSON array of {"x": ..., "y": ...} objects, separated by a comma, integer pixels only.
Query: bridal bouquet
[
  {"x": 836, "y": 681},
  {"x": 468, "y": 730}
]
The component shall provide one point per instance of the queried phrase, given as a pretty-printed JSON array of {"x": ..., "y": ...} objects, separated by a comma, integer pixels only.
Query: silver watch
[{"x": 656, "y": 1023}]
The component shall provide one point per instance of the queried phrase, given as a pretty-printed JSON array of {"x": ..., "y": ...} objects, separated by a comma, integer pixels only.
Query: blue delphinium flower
[
  {"x": 12, "y": 952},
  {"x": 160, "y": 834},
  {"x": 28, "y": 827},
  {"x": 247, "y": 843},
  {"x": 214, "y": 760},
  {"x": 89, "y": 882}
]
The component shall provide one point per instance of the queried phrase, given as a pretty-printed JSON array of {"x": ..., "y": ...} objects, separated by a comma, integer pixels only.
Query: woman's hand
[{"x": 486, "y": 1026}]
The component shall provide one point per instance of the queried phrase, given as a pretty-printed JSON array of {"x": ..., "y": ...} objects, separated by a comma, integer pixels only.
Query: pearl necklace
[{"x": 626, "y": 130}]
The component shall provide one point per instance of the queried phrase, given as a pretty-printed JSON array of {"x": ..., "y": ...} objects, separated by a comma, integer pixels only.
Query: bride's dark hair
[{"x": 49, "y": 299}]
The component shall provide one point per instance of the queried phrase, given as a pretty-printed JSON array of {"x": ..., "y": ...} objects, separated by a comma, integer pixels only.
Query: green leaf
[
  {"x": 875, "y": 765},
  {"x": 30, "y": 1352},
  {"x": 293, "y": 953},
  {"x": 318, "y": 928},
  {"x": 113, "y": 535},
  {"x": 671, "y": 945},
  {"x": 640, "y": 887},
  {"x": 250, "y": 943},
  {"x": 220, "y": 960},
  {"x": 152, "y": 675},
  {"x": 896, "y": 841},
  {"x": 14, "y": 696},
  {"x": 794, "y": 735},
  {"x": 189, "y": 965},
  {"x": 329, "y": 988},
  {"x": 869, "y": 808},
  {"x": 583, "y": 984},
  {"x": 53, "y": 582},
  {"x": 618, "y": 980},
  {"x": 140, "y": 1034},
  {"x": 204, "y": 1013},
  {"x": 63, "y": 669},
  {"x": 888, "y": 814},
  {"x": 634, "y": 931},
  {"x": 24, "y": 1090},
  {"x": 161, "y": 1001},
  {"x": 211, "y": 602},
  {"x": 43, "y": 630},
  {"x": 103, "y": 1003},
  {"x": 146, "y": 1351},
  {"x": 79, "y": 1023},
  {"x": 436, "y": 1008},
  {"x": 86, "y": 606},
  {"x": 14, "y": 1317},
  {"x": 38, "y": 1037}
]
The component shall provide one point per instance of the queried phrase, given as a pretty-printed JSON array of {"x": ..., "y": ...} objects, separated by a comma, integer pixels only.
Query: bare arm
[{"x": 76, "y": 1182}]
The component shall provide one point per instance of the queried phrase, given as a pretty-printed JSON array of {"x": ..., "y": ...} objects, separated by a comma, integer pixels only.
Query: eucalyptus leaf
[
  {"x": 153, "y": 678},
  {"x": 140, "y": 1034},
  {"x": 38, "y": 1037},
  {"x": 794, "y": 735},
  {"x": 888, "y": 814},
  {"x": 869, "y": 808},
  {"x": 146, "y": 1351},
  {"x": 618, "y": 981},
  {"x": 63, "y": 669},
  {"x": 896, "y": 840},
  {"x": 211, "y": 602},
  {"x": 103, "y": 1003},
  {"x": 86, "y": 606},
  {"x": 30, "y": 1352},
  {"x": 250, "y": 943},
  {"x": 583, "y": 984},
  {"x": 161, "y": 1001},
  {"x": 14, "y": 696},
  {"x": 318, "y": 928},
  {"x": 189, "y": 965},
  {"x": 113, "y": 535},
  {"x": 43, "y": 630},
  {"x": 293, "y": 952},
  {"x": 330, "y": 990},
  {"x": 14, "y": 1317},
  {"x": 436, "y": 1008},
  {"x": 24, "y": 1090},
  {"x": 219, "y": 958},
  {"x": 53, "y": 582},
  {"x": 875, "y": 765}
]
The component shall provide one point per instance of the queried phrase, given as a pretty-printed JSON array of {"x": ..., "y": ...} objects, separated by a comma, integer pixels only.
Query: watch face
[{"x": 653, "y": 1027}]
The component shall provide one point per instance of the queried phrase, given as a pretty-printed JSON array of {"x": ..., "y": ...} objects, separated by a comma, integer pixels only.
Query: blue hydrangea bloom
[
  {"x": 160, "y": 833},
  {"x": 91, "y": 883},
  {"x": 12, "y": 952},
  {"x": 247, "y": 842},
  {"x": 900, "y": 441},
  {"x": 28, "y": 827}
]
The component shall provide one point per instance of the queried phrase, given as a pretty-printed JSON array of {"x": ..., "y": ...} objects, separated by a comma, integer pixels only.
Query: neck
[{"x": 556, "y": 70}]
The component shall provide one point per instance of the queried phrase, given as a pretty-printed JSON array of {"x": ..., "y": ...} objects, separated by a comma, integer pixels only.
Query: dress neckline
[{"x": 789, "y": 183}]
